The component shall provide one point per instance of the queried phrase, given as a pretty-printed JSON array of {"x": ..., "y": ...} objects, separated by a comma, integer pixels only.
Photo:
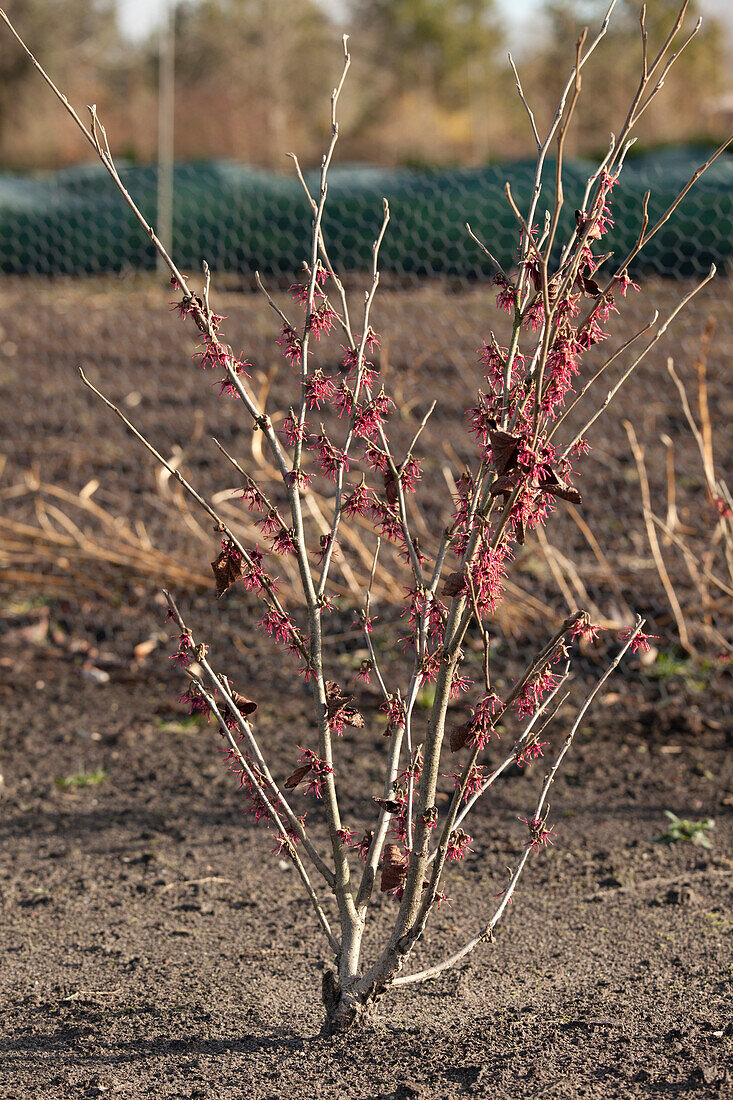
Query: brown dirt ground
[{"x": 152, "y": 947}]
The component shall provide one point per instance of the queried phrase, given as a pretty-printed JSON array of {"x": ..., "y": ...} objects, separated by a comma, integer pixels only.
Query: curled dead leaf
[
  {"x": 460, "y": 736},
  {"x": 550, "y": 483},
  {"x": 504, "y": 448},
  {"x": 455, "y": 583},
  {"x": 390, "y": 488},
  {"x": 297, "y": 777},
  {"x": 502, "y": 484},
  {"x": 388, "y": 804},
  {"x": 394, "y": 868},
  {"x": 244, "y": 705},
  {"x": 227, "y": 571},
  {"x": 392, "y": 877}
]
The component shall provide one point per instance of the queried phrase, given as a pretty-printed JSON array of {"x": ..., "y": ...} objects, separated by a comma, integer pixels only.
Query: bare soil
[{"x": 152, "y": 946}]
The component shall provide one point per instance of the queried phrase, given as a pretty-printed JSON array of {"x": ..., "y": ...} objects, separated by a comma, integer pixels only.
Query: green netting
[{"x": 241, "y": 219}]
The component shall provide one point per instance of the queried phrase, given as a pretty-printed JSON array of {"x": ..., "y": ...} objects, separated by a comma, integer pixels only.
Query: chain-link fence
[
  {"x": 433, "y": 309},
  {"x": 241, "y": 220}
]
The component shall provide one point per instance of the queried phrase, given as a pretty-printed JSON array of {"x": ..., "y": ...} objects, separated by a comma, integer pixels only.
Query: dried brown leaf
[
  {"x": 455, "y": 583},
  {"x": 504, "y": 448},
  {"x": 388, "y": 804},
  {"x": 244, "y": 705},
  {"x": 297, "y": 777},
  {"x": 227, "y": 571},
  {"x": 460, "y": 736}
]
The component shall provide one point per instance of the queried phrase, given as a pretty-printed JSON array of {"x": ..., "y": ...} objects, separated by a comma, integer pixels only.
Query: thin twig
[{"x": 638, "y": 453}]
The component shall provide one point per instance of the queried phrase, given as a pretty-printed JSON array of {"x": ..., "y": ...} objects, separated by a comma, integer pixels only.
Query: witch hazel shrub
[{"x": 561, "y": 297}]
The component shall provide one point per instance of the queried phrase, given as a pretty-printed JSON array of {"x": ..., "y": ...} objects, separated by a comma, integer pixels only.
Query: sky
[{"x": 138, "y": 17}]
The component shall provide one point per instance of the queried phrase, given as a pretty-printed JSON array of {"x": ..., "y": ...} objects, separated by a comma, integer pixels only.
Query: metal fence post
[{"x": 166, "y": 112}]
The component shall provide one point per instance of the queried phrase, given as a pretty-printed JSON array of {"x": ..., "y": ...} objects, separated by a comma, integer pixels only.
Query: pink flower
[
  {"x": 318, "y": 388},
  {"x": 483, "y": 416},
  {"x": 211, "y": 353},
  {"x": 624, "y": 282},
  {"x": 482, "y": 719},
  {"x": 271, "y": 522},
  {"x": 227, "y": 388},
  {"x": 325, "y": 544},
  {"x": 395, "y": 708},
  {"x": 534, "y": 316},
  {"x": 562, "y": 366},
  {"x": 474, "y": 781},
  {"x": 253, "y": 576},
  {"x": 321, "y": 320},
  {"x": 459, "y": 685},
  {"x": 359, "y": 503},
  {"x": 591, "y": 334},
  {"x": 539, "y": 835},
  {"x": 362, "y": 848},
  {"x": 506, "y": 299},
  {"x": 410, "y": 474},
  {"x": 330, "y": 458},
  {"x": 280, "y": 627},
  {"x": 183, "y": 656},
  {"x": 430, "y": 666},
  {"x": 253, "y": 497},
  {"x": 488, "y": 571},
  {"x": 582, "y": 447},
  {"x": 414, "y": 769},
  {"x": 494, "y": 359},
  {"x": 388, "y": 521},
  {"x": 640, "y": 641},
  {"x": 369, "y": 417},
  {"x": 585, "y": 629},
  {"x": 530, "y": 696},
  {"x": 311, "y": 768},
  {"x": 365, "y": 671},
  {"x": 458, "y": 843},
  {"x": 350, "y": 360},
  {"x": 292, "y": 431},
  {"x": 299, "y": 291},
  {"x": 299, "y": 478},
  {"x": 195, "y": 700},
  {"x": 289, "y": 840},
  {"x": 434, "y": 610},
  {"x": 343, "y": 401},
  {"x": 530, "y": 753},
  {"x": 289, "y": 341},
  {"x": 283, "y": 541}
]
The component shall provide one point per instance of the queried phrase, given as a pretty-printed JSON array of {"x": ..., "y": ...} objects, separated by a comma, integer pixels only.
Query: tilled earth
[{"x": 153, "y": 946}]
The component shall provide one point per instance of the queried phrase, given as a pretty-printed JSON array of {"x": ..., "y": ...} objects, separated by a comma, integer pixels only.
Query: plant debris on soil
[{"x": 153, "y": 945}]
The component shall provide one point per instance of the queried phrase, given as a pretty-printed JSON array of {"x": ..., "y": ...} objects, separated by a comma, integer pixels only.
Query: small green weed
[
  {"x": 188, "y": 724},
  {"x": 426, "y": 697},
  {"x": 694, "y": 831},
  {"x": 14, "y": 605},
  {"x": 82, "y": 779},
  {"x": 667, "y": 666}
]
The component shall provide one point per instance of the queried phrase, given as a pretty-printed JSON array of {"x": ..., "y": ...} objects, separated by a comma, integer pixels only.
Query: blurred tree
[
  {"x": 429, "y": 42},
  {"x": 684, "y": 110},
  {"x": 74, "y": 39},
  {"x": 430, "y": 68},
  {"x": 253, "y": 77}
]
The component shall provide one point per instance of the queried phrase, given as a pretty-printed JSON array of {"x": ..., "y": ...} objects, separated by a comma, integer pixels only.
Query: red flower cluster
[
  {"x": 530, "y": 696},
  {"x": 539, "y": 834},
  {"x": 313, "y": 770},
  {"x": 641, "y": 641}
]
